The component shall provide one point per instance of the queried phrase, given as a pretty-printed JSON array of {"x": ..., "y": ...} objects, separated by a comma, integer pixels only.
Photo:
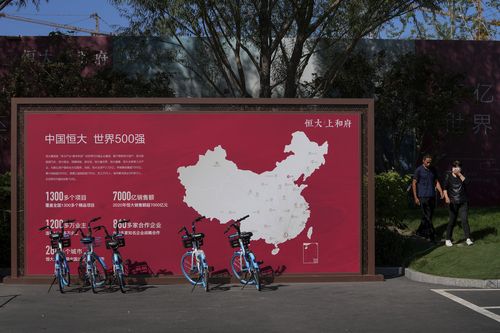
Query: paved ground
[{"x": 396, "y": 305}]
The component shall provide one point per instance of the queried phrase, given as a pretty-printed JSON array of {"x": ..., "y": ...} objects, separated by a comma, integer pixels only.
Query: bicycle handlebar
[
  {"x": 99, "y": 227},
  {"x": 62, "y": 226},
  {"x": 236, "y": 224},
  {"x": 94, "y": 219},
  {"x": 118, "y": 222},
  {"x": 81, "y": 232},
  {"x": 244, "y": 217},
  {"x": 193, "y": 228},
  {"x": 199, "y": 218},
  {"x": 117, "y": 228}
]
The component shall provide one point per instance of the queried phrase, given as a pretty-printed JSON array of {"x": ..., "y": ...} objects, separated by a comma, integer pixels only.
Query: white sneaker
[
  {"x": 469, "y": 242},
  {"x": 448, "y": 243}
]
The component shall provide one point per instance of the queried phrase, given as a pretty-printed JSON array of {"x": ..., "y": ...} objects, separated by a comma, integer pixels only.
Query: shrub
[
  {"x": 391, "y": 205},
  {"x": 391, "y": 198}
]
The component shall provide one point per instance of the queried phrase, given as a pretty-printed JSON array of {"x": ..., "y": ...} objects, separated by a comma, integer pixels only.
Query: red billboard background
[{"x": 125, "y": 165}]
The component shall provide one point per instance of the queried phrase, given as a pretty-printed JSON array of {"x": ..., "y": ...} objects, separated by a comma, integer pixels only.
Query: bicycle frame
[
  {"x": 198, "y": 257},
  {"x": 247, "y": 263},
  {"x": 61, "y": 267},
  {"x": 114, "y": 242},
  {"x": 248, "y": 256},
  {"x": 197, "y": 262},
  {"x": 91, "y": 258}
]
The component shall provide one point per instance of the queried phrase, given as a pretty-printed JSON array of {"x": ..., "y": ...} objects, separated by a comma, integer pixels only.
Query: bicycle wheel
[
  {"x": 63, "y": 276},
  {"x": 121, "y": 280},
  {"x": 189, "y": 268},
  {"x": 205, "y": 279},
  {"x": 256, "y": 279},
  {"x": 240, "y": 269},
  {"x": 98, "y": 274},
  {"x": 82, "y": 271},
  {"x": 118, "y": 270}
]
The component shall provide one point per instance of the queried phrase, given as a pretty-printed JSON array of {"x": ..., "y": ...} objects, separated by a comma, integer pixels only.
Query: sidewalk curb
[
  {"x": 390, "y": 271},
  {"x": 449, "y": 281}
]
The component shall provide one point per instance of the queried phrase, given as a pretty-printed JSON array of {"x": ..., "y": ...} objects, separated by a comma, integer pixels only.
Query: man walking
[{"x": 424, "y": 185}]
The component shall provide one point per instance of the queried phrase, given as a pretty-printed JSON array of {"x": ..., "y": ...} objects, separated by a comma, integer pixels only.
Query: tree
[
  {"x": 413, "y": 99},
  {"x": 276, "y": 38},
  {"x": 457, "y": 19},
  {"x": 19, "y": 3},
  {"x": 62, "y": 77}
]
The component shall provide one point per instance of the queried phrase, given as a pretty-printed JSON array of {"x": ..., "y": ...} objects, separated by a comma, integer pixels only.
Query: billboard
[{"x": 298, "y": 175}]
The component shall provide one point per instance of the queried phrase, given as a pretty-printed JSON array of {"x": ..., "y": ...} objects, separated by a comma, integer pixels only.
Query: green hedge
[
  {"x": 391, "y": 198},
  {"x": 391, "y": 207}
]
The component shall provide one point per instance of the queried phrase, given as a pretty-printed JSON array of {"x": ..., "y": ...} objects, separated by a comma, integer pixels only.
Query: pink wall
[
  {"x": 329, "y": 204},
  {"x": 473, "y": 127}
]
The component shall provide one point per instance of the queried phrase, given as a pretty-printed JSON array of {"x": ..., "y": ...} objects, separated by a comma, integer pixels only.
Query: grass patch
[{"x": 480, "y": 261}]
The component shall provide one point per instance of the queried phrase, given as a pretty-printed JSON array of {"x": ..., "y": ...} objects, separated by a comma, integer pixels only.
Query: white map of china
[{"x": 218, "y": 189}]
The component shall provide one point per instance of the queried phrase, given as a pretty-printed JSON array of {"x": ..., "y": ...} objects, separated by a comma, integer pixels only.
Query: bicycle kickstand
[
  {"x": 196, "y": 283},
  {"x": 248, "y": 280},
  {"x": 53, "y": 281}
]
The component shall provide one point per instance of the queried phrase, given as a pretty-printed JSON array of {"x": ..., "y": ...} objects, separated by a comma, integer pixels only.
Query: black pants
[
  {"x": 426, "y": 229},
  {"x": 456, "y": 210}
]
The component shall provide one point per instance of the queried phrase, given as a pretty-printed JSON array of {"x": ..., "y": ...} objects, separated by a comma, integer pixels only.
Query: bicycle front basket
[
  {"x": 187, "y": 241},
  {"x": 66, "y": 242},
  {"x": 54, "y": 240},
  {"x": 234, "y": 240},
  {"x": 116, "y": 242}
]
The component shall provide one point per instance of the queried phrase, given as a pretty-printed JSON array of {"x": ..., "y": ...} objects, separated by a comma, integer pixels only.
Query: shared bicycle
[
  {"x": 91, "y": 268},
  {"x": 114, "y": 241},
  {"x": 194, "y": 262},
  {"x": 245, "y": 266},
  {"x": 58, "y": 241}
]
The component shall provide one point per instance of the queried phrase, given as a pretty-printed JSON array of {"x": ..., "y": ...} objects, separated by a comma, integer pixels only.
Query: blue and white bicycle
[
  {"x": 114, "y": 241},
  {"x": 194, "y": 262},
  {"x": 245, "y": 266},
  {"x": 91, "y": 269},
  {"x": 58, "y": 241}
]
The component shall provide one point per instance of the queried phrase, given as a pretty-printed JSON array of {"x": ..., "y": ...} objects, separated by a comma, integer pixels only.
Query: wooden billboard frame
[{"x": 20, "y": 106}]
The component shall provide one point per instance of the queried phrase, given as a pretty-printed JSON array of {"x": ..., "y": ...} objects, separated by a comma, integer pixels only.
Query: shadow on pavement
[
  {"x": 129, "y": 289},
  {"x": 4, "y": 300}
]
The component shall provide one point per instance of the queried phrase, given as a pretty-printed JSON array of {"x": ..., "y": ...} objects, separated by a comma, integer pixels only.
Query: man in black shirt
[
  {"x": 424, "y": 185},
  {"x": 455, "y": 196}
]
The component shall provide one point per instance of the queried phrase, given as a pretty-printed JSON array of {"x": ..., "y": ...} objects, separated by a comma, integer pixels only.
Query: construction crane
[
  {"x": 95, "y": 32},
  {"x": 480, "y": 31}
]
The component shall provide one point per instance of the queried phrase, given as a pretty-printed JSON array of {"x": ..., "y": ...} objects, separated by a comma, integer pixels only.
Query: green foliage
[
  {"x": 455, "y": 19},
  {"x": 391, "y": 207},
  {"x": 414, "y": 97},
  {"x": 479, "y": 261},
  {"x": 5, "y": 220},
  {"x": 62, "y": 77},
  {"x": 276, "y": 39},
  {"x": 392, "y": 248},
  {"x": 391, "y": 199}
]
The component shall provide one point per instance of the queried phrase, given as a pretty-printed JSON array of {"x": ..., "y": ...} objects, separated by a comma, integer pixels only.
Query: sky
[
  {"x": 77, "y": 13},
  {"x": 72, "y": 12}
]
